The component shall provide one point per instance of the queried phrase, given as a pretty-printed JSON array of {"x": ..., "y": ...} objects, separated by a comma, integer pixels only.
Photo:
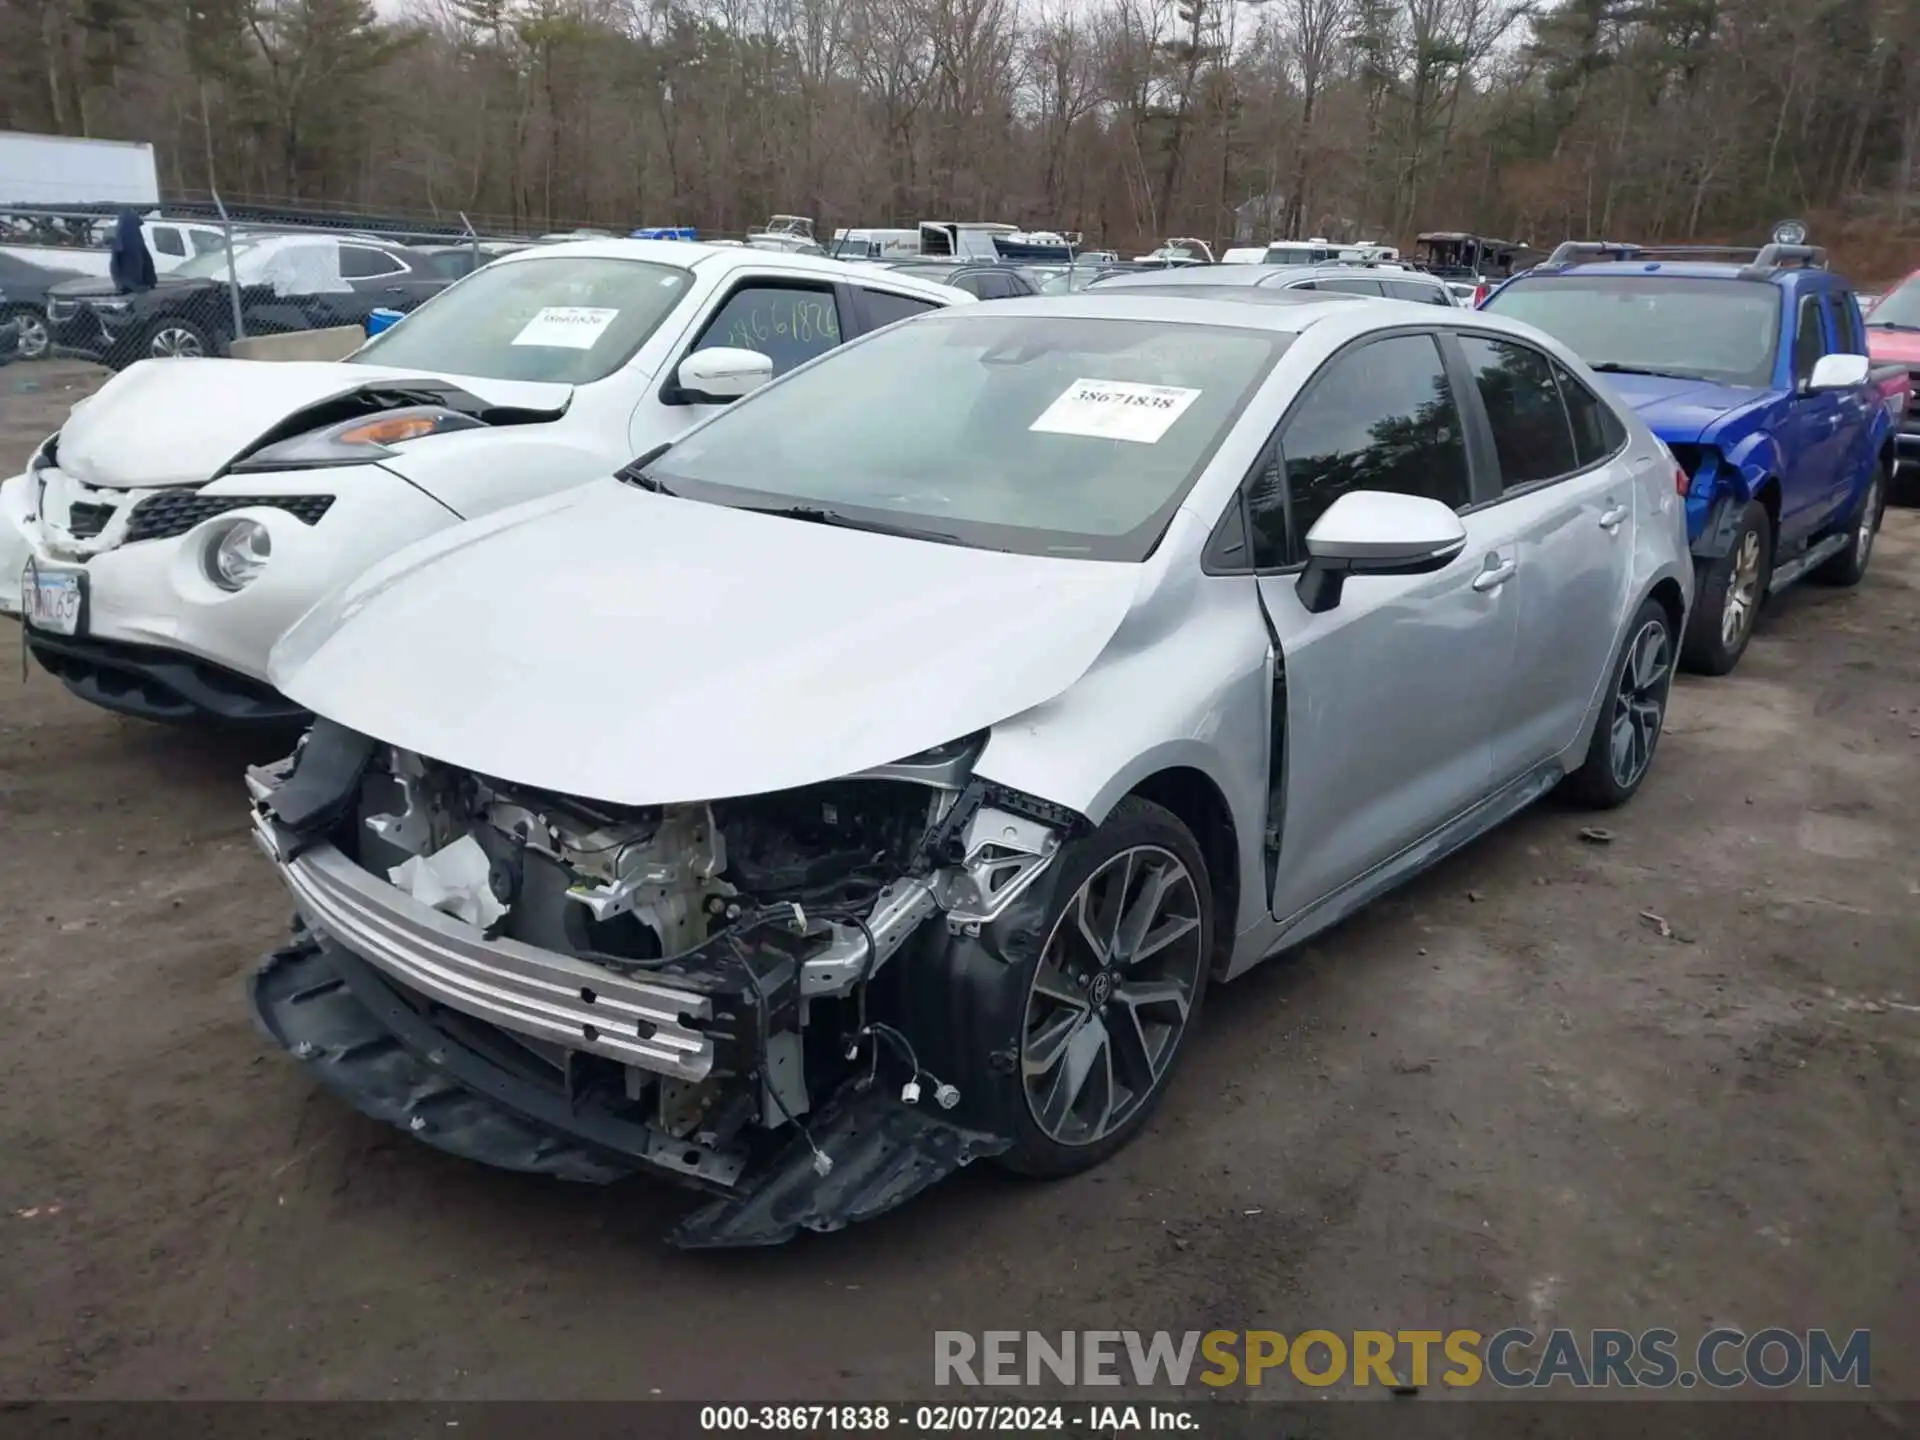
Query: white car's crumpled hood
[
  {"x": 174, "y": 422},
  {"x": 645, "y": 650}
]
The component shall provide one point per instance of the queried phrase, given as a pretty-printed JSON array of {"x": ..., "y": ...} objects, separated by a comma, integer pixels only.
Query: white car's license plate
[{"x": 53, "y": 597}]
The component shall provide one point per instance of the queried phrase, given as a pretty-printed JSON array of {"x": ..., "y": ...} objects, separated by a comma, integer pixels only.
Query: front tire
[
  {"x": 1849, "y": 567},
  {"x": 1097, "y": 1016},
  {"x": 1624, "y": 739},
  {"x": 1731, "y": 591},
  {"x": 36, "y": 339}
]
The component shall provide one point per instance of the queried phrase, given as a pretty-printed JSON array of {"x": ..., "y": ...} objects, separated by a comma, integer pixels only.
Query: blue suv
[{"x": 1752, "y": 367}]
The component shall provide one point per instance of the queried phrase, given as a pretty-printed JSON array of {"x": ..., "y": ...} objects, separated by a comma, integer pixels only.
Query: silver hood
[
  {"x": 175, "y": 422},
  {"x": 645, "y": 650}
]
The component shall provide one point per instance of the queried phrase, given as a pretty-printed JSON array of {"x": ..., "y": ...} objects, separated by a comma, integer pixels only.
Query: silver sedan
[{"x": 876, "y": 778}]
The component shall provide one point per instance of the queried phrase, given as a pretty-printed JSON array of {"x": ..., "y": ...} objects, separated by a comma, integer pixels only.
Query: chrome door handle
[
  {"x": 1614, "y": 518},
  {"x": 1495, "y": 575}
]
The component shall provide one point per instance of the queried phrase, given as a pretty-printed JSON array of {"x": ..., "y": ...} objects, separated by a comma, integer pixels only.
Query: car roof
[
  {"x": 1248, "y": 276},
  {"x": 1677, "y": 269},
  {"x": 1284, "y": 312},
  {"x": 1230, "y": 294},
  {"x": 719, "y": 259}
]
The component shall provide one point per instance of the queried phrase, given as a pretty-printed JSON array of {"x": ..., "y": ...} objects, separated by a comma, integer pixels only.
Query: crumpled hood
[
  {"x": 642, "y": 650},
  {"x": 1679, "y": 411},
  {"x": 175, "y": 422}
]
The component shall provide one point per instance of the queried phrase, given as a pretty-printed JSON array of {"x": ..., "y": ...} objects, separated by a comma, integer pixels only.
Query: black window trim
[
  {"x": 1844, "y": 313},
  {"x": 853, "y": 301},
  {"x": 1484, "y": 424},
  {"x": 1273, "y": 450},
  {"x": 670, "y": 392},
  {"x": 1810, "y": 296}
]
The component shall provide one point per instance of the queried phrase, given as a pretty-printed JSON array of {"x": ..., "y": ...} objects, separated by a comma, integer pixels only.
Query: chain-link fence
[{"x": 220, "y": 275}]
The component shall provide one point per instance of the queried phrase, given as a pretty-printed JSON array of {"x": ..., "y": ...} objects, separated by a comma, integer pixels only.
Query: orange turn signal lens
[{"x": 390, "y": 430}]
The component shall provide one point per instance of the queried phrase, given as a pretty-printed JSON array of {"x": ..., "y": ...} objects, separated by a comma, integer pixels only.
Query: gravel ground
[{"x": 1502, "y": 1096}]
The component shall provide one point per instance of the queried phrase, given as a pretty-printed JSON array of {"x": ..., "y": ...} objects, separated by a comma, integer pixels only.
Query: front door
[
  {"x": 789, "y": 321},
  {"x": 1391, "y": 694},
  {"x": 1816, "y": 435}
]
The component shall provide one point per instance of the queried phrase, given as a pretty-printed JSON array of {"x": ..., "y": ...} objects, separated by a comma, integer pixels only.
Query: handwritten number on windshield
[{"x": 805, "y": 320}]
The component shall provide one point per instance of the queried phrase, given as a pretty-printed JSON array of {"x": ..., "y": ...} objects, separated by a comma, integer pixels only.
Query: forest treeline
[{"x": 1128, "y": 120}]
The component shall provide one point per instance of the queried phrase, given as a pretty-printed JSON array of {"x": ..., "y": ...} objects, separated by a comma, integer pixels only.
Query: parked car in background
[
  {"x": 24, "y": 288},
  {"x": 952, "y": 714},
  {"x": 1472, "y": 264},
  {"x": 9, "y": 339},
  {"x": 1065, "y": 279},
  {"x": 1755, "y": 373},
  {"x": 1893, "y": 338},
  {"x": 1182, "y": 250},
  {"x": 982, "y": 281},
  {"x": 1381, "y": 282},
  {"x": 456, "y": 260},
  {"x": 77, "y": 242},
  {"x": 188, "y": 512},
  {"x": 286, "y": 283}
]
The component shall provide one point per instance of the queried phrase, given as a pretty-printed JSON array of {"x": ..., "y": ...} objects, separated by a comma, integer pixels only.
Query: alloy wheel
[
  {"x": 175, "y": 343},
  {"x": 1110, "y": 998},
  {"x": 1743, "y": 591},
  {"x": 1639, "y": 701},
  {"x": 34, "y": 337}
]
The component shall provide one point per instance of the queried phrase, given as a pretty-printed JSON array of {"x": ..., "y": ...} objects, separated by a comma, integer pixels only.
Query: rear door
[
  {"x": 1566, "y": 499},
  {"x": 1393, "y": 693}
]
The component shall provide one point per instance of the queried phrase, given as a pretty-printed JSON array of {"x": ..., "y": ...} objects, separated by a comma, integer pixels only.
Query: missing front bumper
[{"x": 380, "y": 1049}]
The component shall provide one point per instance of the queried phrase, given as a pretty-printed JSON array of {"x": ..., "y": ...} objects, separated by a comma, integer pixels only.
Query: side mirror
[
  {"x": 1838, "y": 372},
  {"x": 721, "y": 375},
  {"x": 1372, "y": 532}
]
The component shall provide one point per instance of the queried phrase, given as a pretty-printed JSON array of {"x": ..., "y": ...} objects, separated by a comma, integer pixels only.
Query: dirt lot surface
[{"x": 1502, "y": 1096}]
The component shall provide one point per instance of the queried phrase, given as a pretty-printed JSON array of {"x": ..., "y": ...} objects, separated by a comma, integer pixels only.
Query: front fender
[
  {"x": 1192, "y": 693},
  {"x": 1713, "y": 514}
]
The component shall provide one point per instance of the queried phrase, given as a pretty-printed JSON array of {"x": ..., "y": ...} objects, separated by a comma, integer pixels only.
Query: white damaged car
[
  {"x": 876, "y": 777},
  {"x": 191, "y": 510}
]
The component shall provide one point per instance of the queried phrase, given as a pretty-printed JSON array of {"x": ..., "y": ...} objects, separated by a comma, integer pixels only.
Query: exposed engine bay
[{"x": 712, "y": 990}]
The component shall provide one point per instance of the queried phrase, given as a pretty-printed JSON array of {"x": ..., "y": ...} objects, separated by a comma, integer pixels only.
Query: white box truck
[{"x": 56, "y": 170}]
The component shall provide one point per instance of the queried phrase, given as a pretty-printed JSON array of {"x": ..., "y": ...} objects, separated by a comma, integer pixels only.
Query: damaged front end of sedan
[{"x": 757, "y": 997}]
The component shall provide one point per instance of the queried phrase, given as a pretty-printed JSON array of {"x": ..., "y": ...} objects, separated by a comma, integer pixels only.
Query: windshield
[
  {"x": 567, "y": 319},
  {"x": 1707, "y": 329},
  {"x": 1899, "y": 307},
  {"x": 1040, "y": 435}
]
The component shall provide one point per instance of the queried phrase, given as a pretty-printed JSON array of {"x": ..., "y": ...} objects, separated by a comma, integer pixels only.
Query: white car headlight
[
  {"x": 357, "y": 441},
  {"x": 239, "y": 552}
]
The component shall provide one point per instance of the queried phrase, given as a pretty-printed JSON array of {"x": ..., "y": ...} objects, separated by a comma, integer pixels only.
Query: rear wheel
[
  {"x": 1621, "y": 751},
  {"x": 174, "y": 339},
  {"x": 1731, "y": 590},
  {"x": 1849, "y": 567}
]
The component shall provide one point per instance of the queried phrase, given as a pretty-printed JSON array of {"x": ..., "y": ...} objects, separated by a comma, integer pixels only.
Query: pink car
[{"x": 1893, "y": 337}]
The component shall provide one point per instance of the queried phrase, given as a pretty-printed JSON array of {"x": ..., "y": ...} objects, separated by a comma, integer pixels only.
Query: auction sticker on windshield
[
  {"x": 1116, "y": 410},
  {"x": 53, "y": 597},
  {"x": 567, "y": 327}
]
